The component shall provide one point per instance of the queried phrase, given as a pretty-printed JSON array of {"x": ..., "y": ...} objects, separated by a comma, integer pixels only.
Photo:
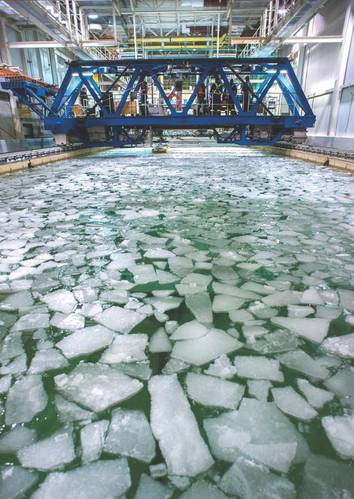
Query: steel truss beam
[{"x": 248, "y": 125}]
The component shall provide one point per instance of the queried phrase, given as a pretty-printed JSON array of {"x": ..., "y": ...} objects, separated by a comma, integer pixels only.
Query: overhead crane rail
[{"x": 248, "y": 101}]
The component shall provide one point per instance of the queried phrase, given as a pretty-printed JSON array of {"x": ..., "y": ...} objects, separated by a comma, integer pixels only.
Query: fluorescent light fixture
[
  {"x": 92, "y": 16},
  {"x": 95, "y": 27},
  {"x": 282, "y": 12}
]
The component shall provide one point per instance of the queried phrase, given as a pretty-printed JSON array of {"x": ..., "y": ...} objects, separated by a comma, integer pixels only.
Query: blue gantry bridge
[{"x": 265, "y": 101}]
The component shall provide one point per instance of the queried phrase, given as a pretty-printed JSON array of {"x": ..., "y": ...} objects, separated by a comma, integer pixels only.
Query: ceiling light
[
  {"x": 95, "y": 27},
  {"x": 282, "y": 12},
  {"x": 92, "y": 16}
]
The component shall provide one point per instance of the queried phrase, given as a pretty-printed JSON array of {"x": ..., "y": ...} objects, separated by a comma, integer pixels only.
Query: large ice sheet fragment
[
  {"x": 258, "y": 368},
  {"x": 119, "y": 319},
  {"x": 126, "y": 348},
  {"x": 302, "y": 362},
  {"x": 317, "y": 397},
  {"x": 92, "y": 438},
  {"x": 340, "y": 432},
  {"x": 342, "y": 383},
  {"x": 200, "y": 306},
  {"x": 152, "y": 489},
  {"x": 227, "y": 289},
  {"x": 290, "y": 402},
  {"x": 130, "y": 435},
  {"x": 202, "y": 489},
  {"x": 25, "y": 399},
  {"x": 314, "y": 330},
  {"x": 46, "y": 360},
  {"x": 68, "y": 411},
  {"x": 222, "y": 368},
  {"x": 174, "y": 426},
  {"x": 48, "y": 454},
  {"x": 29, "y": 322},
  {"x": 107, "y": 479},
  {"x": 201, "y": 350},
  {"x": 211, "y": 391},
  {"x": 256, "y": 426},
  {"x": 17, "y": 438},
  {"x": 342, "y": 346},
  {"x": 347, "y": 299},
  {"x": 189, "y": 330},
  {"x": 226, "y": 303},
  {"x": 96, "y": 386},
  {"x": 69, "y": 322},
  {"x": 282, "y": 299},
  {"x": 248, "y": 480},
  {"x": 160, "y": 342},
  {"x": 259, "y": 388},
  {"x": 60, "y": 301},
  {"x": 85, "y": 341},
  {"x": 15, "y": 481}
]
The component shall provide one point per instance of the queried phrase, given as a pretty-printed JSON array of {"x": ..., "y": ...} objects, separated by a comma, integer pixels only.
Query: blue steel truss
[
  {"x": 36, "y": 96},
  {"x": 251, "y": 123}
]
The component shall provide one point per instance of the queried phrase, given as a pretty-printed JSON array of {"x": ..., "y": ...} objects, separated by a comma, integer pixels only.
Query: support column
[
  {"x": 5, "y": 57},
  {"x": 343, "y": 63},
  {"x": 218, "y": 37}
]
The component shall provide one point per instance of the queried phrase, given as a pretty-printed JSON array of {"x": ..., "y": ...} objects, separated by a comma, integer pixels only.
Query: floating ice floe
[
  {"x": 92, "y": 438},
  {"x": 96, "y": 386},
  {"x": 16, "y": 439},
  {"x": 299, "y": 311},
  {"x": 119, "y": 319},
  {"x": 317, "y": 397},
  {"x": 85, "y": 341},
  {"x": 342, "y": 385},
  {"x": 222, "y": 368},
  {"x": 48, "y": 454},
  {"x": 314, "y": 330},
  {"x": 203, "y": 489},
  {"x": 258, "y": 368},
  {"x": 227, "y": 289},
  {"x": 160, "y": 342},
  {"x": 211, "y": 391},
  {"x": 177, "y": 436},
  {"x": 69, "y": 411},
  {"x": 130, "y": 435},
  {"x": 152, "y": 489},
  {"x": 259, "y": 429},
  {"x": 126, "y": 348},
  {"x": 201, "y": 350},
  {"x": 25, "y": 399},
  {"x": 69, "y": 322},
  {"x": 189, "y": 330},
  {"x": 16, "y": 481},
  {"x": 290, "y": 402},
  {"x": 60, "y": 301},
  {"x": 282, "y": 299},
  {"x": 226, "y": 303},
  {"x": 29, "y": 322},
  {"x": 259, "y": 388},
  {"x": 109, "y": 479},
  {"x": 17, "y": 301},
  {"x": 340, "y": 432},
  {"x": 251, "y": 481},
  {"x": 342, "y": 346},
  {"x": 46, "y": 360},
  {"x": 302, "y": 362},
  {"x": 200, "y": 306}
]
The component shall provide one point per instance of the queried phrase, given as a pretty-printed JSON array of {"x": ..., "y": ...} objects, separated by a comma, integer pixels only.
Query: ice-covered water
[{"x": 177, "y": 326}]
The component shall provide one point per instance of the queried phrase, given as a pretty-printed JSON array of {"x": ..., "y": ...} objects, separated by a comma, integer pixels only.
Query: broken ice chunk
[
  {"x": 282, "y": 298},
  {"x": 299, "y": 311},
  {"x": 85, "y": 341},
  {"x": 248, "y": 480},
  {"x": 25, "y": 399},
  {"x": 202, "y": 489},
  {"x": 5, "y": 383},
  {"x": 17, "y": 366},
  {"x": 68, "y": 411},
  {"x": 240, "y": 316},
  {"x": 302, "y": 362},
  {"x": 340, "y": 432},
  {"x": 342, "y": 384},
  {"x": 311, "y": 329},
  {"x": 92, "y": 439},
  {"x": 130, "y": 435},
  {"x": 152, "y": 489},
  {"x": 259, "y": 388},
  {"x": 159, "y": 342},
  {"x": 158, "y": 254},
  {"x": 317, "y": 397},
  {"x": 16, "y": 439},
  {"x": 50, "y": 453},
  {"x": 46, "y": 360},
  {"x": 199, "y": 351},
  {"x": 174, "y": 366},
  {"x": 129, "y": 348},
  {"x": 189, "y": 330},
  {"x": 68, "y": 322},
  {"x": 15, "y": 481},
  {"x": 342, "y": 346},
  {"x": 119, "y": 319},
  {"x": 140, "y": 370},
  {"x": 260, "y": 424},
  {"x": 193, "y": 283},
  {"x": 211, "y": 391},
  {"x": 227, "y": 289},
  {"x": 293, "y": 404},
  {"x": 347, "y": 299},
  {"x": 107, "y": 479},
  {"x": 17, "y": 301},
  {"x": 30, "y": 322},
  {"x": 96, "y": 386},
  {"x": 226, "y": 303},
  {"x": 311, "y": 297},
  {"x": 60, "y": 301},
  {"x": 200, "y": 306},
  {"x": 258, "y": 368},
  {"x": 177, "y": 436},
  {"x": 251, "y": 332},
  {"x": 222, "y": 368}
]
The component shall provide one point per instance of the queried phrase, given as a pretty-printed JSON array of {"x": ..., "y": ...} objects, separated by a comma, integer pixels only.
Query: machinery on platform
[{"x": 250, "y": 101}]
